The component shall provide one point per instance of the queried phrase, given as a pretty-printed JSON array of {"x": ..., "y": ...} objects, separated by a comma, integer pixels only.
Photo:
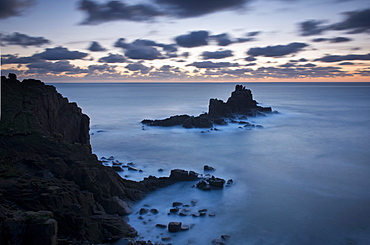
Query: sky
[{"x": 186, "y": 40}]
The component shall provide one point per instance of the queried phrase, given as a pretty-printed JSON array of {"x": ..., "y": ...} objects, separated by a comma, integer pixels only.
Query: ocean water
[{"x": 304, "y": 178}]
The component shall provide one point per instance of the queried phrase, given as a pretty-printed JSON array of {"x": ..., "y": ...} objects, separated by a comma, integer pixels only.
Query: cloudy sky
[{"x": 186, "y": 40}]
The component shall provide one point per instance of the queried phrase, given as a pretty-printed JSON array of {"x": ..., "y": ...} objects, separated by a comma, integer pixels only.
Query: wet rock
[
  {"x": 143, "y": 211},
  {"x": 174, "y": 226},
  {"x": 203, "y": 185},
  {"x": 218, "y": 242},
  {"x": 154, "y": 211},
  {"x": 185, "y": 227},
  {"x": 177, "y": 204},
  {"x": 174, "y": 210},
  {"x": 161, "y": 225},
  {"x": 194, "y": 202},
  {"x": 183, "y": 175},
  {"x": 225, "y": 237},
  {"x": 117, "y": 168},
  {"x": 208, "y": 168},
  {"x": 132, "y": 168}
]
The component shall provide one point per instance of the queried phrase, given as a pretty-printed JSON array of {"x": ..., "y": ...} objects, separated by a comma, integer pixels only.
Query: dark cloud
[
  {"x": 145, "y": 49},
  {"x": 145, "y": 42},
  {"x": 138, "y": 67},
  {"x": 333, "y": 40},
  {"x": 222, "y": 39},
  {"x": 287, "y": 65},
  {"x": 337, "y": 58},
  {"x": 250, "y": 58},
  {"x": 143, "y": 52},
  {"x": 292, "y": 72},
  {"x": 278, "y": 50},
  {"x": 105, "y": 68},
  {"x": 9, "y": 8},
  {"x": 121, "y": 43},
  {"x": 113, "y": 58},
  {"x": 243, "y": 40},
  {"x": 193, "y": 39},
  {"x": 44, "y": 67},
  {"x": 217, "y": 54},
  {"x": 116, "y": 10},
  {"x": 308, "y": 65},
  {"x": 22, "y": 39},
  {"x": 14, "y": 59},
  {"x": 355, "y": 22},
  {"x": 60, "y": 53},
  {"x": 346, "y": 63},
  {"x": 96, "y": 47},
  {"x": 191, "y": 8},
  {"x": 300, "y": 60},
  {"x": 311, "y": 27},
  {"x": 212, "y": 65},
  {"x": 363, "y": 72},
  {"x": 253, "y": 33}
]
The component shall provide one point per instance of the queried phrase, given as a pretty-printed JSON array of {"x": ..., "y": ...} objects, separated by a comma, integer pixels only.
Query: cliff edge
[{"x": 53, "y": 190}]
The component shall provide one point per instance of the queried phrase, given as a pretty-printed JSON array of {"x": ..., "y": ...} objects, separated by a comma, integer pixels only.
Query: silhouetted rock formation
[
  {"x": 51, "y": 185},
  {"x": 240, "y": 103}
]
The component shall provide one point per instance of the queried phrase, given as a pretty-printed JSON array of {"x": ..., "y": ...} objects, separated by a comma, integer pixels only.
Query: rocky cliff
[{"x": 52, "y": 188}]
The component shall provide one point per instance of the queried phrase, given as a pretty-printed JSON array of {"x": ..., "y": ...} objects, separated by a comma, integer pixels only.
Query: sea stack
[{"x": 240, "y": 103}]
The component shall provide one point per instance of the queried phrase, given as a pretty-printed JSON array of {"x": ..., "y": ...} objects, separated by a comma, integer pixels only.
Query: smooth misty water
[{"x": 304, "y": 178}]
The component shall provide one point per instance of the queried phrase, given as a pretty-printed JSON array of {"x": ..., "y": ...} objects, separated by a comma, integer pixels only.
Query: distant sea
[{"x": 303, "y": 178}]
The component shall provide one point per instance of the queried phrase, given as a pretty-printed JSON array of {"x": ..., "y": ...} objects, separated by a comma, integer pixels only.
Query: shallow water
[{"x": 303, "y": 178}]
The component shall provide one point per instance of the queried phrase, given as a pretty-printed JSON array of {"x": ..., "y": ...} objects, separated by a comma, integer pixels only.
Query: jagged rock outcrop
[
  {"x": 39, "y": 107},
  {"x": 46, "y": 165},
  {"x": 240, "y": 103}
]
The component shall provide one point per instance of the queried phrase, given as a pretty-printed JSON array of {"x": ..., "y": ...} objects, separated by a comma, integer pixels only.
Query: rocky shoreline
[
  {"x": 53, "y": 189},
  {"x": 238, "y": 107}
]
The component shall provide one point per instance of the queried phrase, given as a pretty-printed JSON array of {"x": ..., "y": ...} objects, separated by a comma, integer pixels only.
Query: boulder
[
  {"x": 174, "y": 226},
  {"x": 208, "y": 168},
  {"x": 183, "y": 175}
]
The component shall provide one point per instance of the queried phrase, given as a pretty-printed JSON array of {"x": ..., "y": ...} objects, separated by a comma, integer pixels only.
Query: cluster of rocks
[
  {"x": 119, "y": 166},
  {"x": 177, "y": 209},
  {"x": 180, "y": 209},
  {"x": 240, "y": 103}
]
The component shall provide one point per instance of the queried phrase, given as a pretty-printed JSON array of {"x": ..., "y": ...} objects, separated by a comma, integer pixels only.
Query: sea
[{"x": 302, "y": 178}]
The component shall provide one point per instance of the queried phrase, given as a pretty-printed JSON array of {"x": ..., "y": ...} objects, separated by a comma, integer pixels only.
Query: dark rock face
[
  {"x": 39, "y": 107},
  {"x": 46, "y": 165},
  {"x": 240, "y": 103}
]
